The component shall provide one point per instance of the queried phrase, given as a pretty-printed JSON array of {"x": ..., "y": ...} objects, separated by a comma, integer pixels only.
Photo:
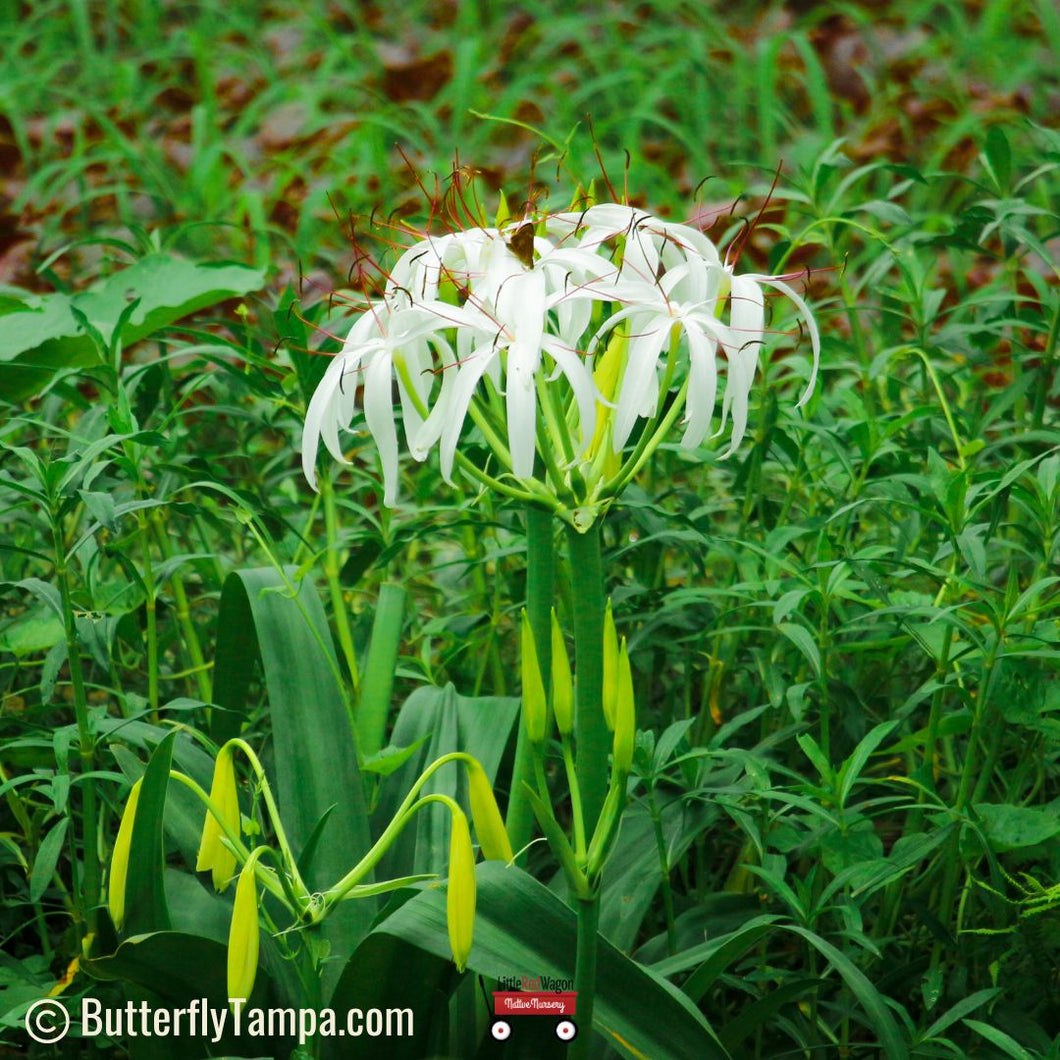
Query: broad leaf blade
[
  {"x": 313, "y": 750},
  {"x": 145, "y": 893},
  {"x": 523, "y": 928},
  {"x": 445, "y": 721}
]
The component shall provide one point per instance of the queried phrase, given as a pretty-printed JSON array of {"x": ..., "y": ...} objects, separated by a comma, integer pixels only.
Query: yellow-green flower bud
[
  {"x": 534, "y": 710},
  {"x": 610, "y": 685},
  {"x": 625, "y": 714},
  {"x": 243, "y": 935},
  {"x": 214, "y": 856},
  {"x": 460, "y": 900},
  {"x": 119, "y": 859},
  {"x": 607, "y": 375},
  {"x": 489, "y": 825},
  {"x": 562, "y": 686}
]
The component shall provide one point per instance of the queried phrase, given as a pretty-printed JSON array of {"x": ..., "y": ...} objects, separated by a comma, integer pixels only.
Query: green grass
[{"x": 845, "y": 638}]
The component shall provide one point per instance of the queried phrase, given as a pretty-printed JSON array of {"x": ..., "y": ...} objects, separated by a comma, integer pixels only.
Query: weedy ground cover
[{"x": 835, "y": 831}]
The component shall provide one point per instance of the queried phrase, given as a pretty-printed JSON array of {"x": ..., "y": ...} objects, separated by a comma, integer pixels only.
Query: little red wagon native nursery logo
[{"x": 541, "y": 995}]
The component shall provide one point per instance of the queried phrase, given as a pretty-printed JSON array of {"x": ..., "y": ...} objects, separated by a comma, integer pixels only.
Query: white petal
[
  {"x": 521, "y": 404},
  {"x": 702, "y": 386},
  {"x": 581, "y": 382},
  {"x": 522, "y": 302},
  {"x": 431, "y": 429},
  {"x": 379, "y": 415},
  {"x": 467, "y": 378},
  {"x": 319, "y": 408},
  {"x": 811, "y": 325},
  {"x": 639, "y": 380}
]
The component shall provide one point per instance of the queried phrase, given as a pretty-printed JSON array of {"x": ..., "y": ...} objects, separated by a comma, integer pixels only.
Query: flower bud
[
  {"x": 489, "y": 826},
  {"x": 562, "y": 686},
  {"x": 625, "y": 714},
  {"x": 534, "y": 709},
  {"x": 214, "y": 856},
  {"x": 610, "y": 682},
  {"x": 243, "y": 935},
  {"x": 119, "y": 859},
  {"x": 460, "y": 900}
]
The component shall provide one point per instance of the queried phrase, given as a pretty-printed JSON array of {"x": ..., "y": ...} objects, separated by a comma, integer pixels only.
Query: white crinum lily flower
[
  {"x": 510, "y": 305},
  {"x": 469, "y": 309},
  {"x": 747, "y": 321},
  {"x": 672, "y": 281},
  {"x": 383, "y": 340}
]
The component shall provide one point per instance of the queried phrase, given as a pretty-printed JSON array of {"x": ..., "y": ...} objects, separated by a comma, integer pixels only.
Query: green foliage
[{"x": 842, "y": 832}]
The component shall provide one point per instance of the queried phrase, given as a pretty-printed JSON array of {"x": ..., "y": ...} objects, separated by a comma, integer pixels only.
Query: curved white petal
[
  {"x": 639, "y": 383},
  {"x": 581, "y": 383},
  {"x": 811, "y": 326},
  {"x": 379, "y": 415},
  {"x": 468, "y": 375},
  {"x": 431, "y": 429},
  {"x": 702, "y": 386},
  {"x": 319, "y": 407}
]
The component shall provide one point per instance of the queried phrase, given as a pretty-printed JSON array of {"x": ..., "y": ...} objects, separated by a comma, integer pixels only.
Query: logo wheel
[
  {"x": 566, "y": 1030},
  {"x": 501, "y": 1030}
]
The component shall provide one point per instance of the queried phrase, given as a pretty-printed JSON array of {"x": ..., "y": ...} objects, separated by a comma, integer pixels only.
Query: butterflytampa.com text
[{"x": 202, "y": 1020}]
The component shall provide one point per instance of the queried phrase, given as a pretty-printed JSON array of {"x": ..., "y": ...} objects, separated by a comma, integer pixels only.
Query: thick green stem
[
  {"x": 590, "y": 730},
  {"x": 539, "y": 578},
  {"x": 585, "y": 976}
]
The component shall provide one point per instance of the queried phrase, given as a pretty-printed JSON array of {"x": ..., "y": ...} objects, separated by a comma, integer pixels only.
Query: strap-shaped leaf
[
  {"x": 314, "y": 757},
  {"x": 522, "y": 928}
]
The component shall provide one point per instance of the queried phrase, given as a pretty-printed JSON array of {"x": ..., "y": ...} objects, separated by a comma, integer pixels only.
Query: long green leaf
[
  {"x": 145, "y": 894},
  {"x": 313, "y": 750},
  {"x": 389, "y": 972},
  {"x": 445, "y": 721},
  {"x": 379, "y": 666},
  {"x": 522, "y": 928},
  {"x": 869, "y": 998}
]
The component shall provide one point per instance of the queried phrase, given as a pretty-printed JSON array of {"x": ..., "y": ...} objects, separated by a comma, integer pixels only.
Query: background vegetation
[{"x": 843, "y": 839}]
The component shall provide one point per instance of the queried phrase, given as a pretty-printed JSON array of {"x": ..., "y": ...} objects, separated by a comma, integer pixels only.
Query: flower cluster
[{"x": 511, "y": 326}]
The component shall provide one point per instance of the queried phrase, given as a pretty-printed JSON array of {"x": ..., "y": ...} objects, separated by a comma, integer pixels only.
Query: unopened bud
[
  {"x": 460, "y": 900},
  {"x": 535, "y": 713},
  {"x": 244, "y": 934},
  {"x": 610, "y": 682},
  {"x": 119, "y": 860},
  {"x": 625, "y": 714},
  {"x": 214, "y": 856},
  {"x": 489, "y": 826},
  {"x": 562, "y": 685}
]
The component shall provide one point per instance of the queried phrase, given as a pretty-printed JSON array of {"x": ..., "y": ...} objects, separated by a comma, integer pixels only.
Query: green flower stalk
[{"x": 119, "y": 862}]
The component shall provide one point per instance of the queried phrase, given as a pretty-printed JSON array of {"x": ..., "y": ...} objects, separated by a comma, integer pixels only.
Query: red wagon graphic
[{"x": 559, "y": 1005}]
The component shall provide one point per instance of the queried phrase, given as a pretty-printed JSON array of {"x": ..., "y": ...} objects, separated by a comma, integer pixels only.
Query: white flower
[
  {"x": 524, "y": 311},
  {"x": 382, "y": 338}
]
